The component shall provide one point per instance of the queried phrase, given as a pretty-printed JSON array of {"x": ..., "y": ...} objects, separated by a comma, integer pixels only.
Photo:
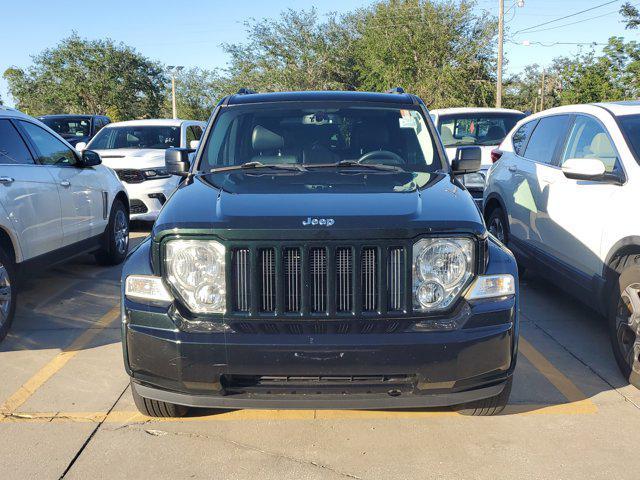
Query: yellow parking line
[
  {"x": 59, "y": 361},
  {"x": 565, "y": 386}
]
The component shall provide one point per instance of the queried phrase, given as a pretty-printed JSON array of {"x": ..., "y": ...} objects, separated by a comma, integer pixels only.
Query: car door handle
[
  {"x": 65, "y": 183},
  {"x": 6, "y": 180},
  {"x": 513, "y": 168}
]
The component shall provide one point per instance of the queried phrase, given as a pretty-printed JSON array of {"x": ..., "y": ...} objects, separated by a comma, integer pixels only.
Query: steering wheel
[{"x": 394, "y": 157}]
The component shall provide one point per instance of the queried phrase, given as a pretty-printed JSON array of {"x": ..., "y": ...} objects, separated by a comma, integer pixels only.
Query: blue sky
[{"x": 190, "y": 33}]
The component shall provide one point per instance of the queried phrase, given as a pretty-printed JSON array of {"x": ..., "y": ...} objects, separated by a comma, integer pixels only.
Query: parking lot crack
[
  {"x": 246, "y": 446},
  {"x": 90, "y": 437},
  {"x": 583, "y": 362}
]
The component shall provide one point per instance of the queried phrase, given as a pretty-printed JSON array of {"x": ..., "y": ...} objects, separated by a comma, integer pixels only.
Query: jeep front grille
[{"x": 322, "y": 281}]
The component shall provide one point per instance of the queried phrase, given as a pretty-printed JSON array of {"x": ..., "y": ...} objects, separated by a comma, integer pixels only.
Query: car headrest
[
  {"x": 495, "y": 132},
  {"x": 446, "y": 135},
  {"x": 264, "y": 139},
  {"x": 601, "y": 146}
]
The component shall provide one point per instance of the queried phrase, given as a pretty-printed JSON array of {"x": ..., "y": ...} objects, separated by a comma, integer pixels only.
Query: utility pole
[
  {"x": 173, "y": 69},
  {"x": 542, "y": 92},
  {"x": 500, "y": 52}
]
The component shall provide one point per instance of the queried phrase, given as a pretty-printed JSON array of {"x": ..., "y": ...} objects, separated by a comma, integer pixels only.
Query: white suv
[
  {"x": 477, "y": 126},
  {"x": 562, "y": 196},
  {"x": 54, "y": 204},
  {"x": 135, "y": 150}
]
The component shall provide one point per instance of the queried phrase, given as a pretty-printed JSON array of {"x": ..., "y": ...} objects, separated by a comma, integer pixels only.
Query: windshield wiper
[
  {"x": 355, "y": 164},
  {"x": 256, "y": 164}
]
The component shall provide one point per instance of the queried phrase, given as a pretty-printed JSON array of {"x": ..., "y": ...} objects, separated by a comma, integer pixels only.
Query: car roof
[
  {"x": 463, "y": 110},
  {"x": 12, "y": 112},
  {"x": 63, "y": 115},
  {"x": 170, "y": 122},
  {"x": 628, "y": 107},
  {"x": 322, "y": 96}
]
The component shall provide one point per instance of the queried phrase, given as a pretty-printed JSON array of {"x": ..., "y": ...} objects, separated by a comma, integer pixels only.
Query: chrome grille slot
[
  {"x": 242, "y": 283},
  {"x": 395, "y": 279},
  {"x": 344, "y": 283},
  {"x": 318, "y": 280},
  {"x": 268, "y": 280},
  {"x": 369, "y": 285},
  {"x": 292, "y": 277}
]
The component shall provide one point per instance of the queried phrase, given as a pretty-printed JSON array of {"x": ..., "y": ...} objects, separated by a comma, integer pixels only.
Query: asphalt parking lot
[{"x": 66, "y": 410}]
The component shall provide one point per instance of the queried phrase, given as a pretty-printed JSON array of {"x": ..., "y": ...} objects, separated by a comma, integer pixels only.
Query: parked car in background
[
  {"x": 54, "y": 204},
  {"x": 563, "y": 196},
  {"x": 75, "y": 128},
  {"x": 483, "y": 127},
  {"x": 135, "y": 150},
  {"x": 320, "y": 254}
]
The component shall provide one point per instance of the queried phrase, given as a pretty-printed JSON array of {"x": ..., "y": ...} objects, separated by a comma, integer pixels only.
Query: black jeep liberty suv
[{"x": 320, "y": 253}]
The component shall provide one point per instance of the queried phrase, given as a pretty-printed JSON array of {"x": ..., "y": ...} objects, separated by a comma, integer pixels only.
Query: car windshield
[
  {"x": 630, "y": 125},
  {"x": 370, "y": 137},
  {"x": 476, "y": 129},
  {"x": 68, "y": 127},
  {"x": 130, "y": 136}
]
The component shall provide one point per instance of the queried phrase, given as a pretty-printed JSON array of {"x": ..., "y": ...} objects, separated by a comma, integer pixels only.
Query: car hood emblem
[{"x": 325, "y": 222}]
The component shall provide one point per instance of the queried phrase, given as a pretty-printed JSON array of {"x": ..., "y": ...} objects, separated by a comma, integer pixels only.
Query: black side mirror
[
  {"x": 177, "y": 161},
  {"x": 89, "y": 158},
  {"x": 468, "y": 160}
]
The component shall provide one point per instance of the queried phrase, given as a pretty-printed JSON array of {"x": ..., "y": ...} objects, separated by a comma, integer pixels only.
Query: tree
[
  {"x": 441, "y": 51},
  {"x": 631, "y": 15},
  {"x": 197, "y": 92},
  {"x": 297, "y": 51},
  {"x": 89, "y": 76}
]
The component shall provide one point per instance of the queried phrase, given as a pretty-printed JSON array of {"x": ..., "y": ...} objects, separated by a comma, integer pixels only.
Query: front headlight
[
  {"x": 153, "y": 173},
  {"x": 196, "y": 270},
  {"x": 442, "y": 267}
]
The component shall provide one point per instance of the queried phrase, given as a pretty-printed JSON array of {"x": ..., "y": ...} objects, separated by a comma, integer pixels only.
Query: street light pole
[
  {"x": 500, "y": 52},
  {"x": 173, "y": 69}
]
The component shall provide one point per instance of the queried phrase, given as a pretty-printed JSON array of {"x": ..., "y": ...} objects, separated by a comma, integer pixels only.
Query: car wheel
[
  {"x": 499, "y": 227},
  {"x": 488, "y": 406},
  {"x": 116, "y": 237},
  {"x": 624, "y": 320},
  {"x": 156, "y": 408},
  {"x": 8, "y": 292}
]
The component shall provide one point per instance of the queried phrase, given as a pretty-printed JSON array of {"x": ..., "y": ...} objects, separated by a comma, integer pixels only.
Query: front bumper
[
  {"x": 147, "y": 198},
  {"x": 406, "y": 368}
]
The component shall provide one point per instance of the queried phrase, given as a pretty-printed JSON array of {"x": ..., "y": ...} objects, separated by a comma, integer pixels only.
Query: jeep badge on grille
[{"x": 327, "y": 222}]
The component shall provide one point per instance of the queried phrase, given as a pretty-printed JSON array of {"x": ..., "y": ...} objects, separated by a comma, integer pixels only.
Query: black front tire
[
  {"x": 156, "y": 408},
  {"x": 499, "y": 217},
  {"x": 623, "y": 336},
  {"x": 115, "y": 243},
  {"x": 488, "y": 406},
  {"x": 8, "y": 292}
]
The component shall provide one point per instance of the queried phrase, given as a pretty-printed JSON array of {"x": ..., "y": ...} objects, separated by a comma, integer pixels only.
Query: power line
[
  {"x": 568, "y": 24},
  {"x": 568, "y": 16},
  {"x": 553, "y": 44}
]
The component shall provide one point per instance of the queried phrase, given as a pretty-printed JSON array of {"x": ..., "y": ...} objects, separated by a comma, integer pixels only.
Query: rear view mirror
[
  {"x": 89, "y": 158},
  {"x": 583, "y": 168},
  {"x": 468, "y": 160},
  {"x": 177, "y": 161}
]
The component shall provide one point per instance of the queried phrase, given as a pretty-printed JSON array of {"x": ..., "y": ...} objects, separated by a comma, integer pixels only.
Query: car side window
[
  {"x": 51, "y": 150},
  {"x": 546, "y": 137},
  {"x": 521, "y": 135},
  {"x": 99, "y": 123},
  {"x": 13, "y": 150},
  {"x": 197, "y": 131},
  {"x": 589, "y": 139}
]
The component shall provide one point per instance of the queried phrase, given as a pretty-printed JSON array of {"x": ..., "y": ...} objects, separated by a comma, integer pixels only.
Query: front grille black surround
[
  {"x": 301, "y": 291},
  {"x": 137, "y": 206},
  {"x": 130, "y": 175}
]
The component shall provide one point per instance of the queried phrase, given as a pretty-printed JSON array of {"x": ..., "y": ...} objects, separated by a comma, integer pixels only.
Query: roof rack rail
[
  {"x": 245, "y": 91},
  {"x": 395, "y": 90}
]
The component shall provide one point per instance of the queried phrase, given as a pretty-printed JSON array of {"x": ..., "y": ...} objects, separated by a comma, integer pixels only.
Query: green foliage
[
  {"x": 89, "y": 76},
  {"x": 631, "y": 15},
  {"x": 441, "y": 51},
  {"x": 197, "y": 91},
  {"x": 421, "y": 45}
]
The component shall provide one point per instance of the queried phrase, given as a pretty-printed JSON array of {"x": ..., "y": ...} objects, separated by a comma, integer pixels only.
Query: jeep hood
[{"x": 371, "y": 204}]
